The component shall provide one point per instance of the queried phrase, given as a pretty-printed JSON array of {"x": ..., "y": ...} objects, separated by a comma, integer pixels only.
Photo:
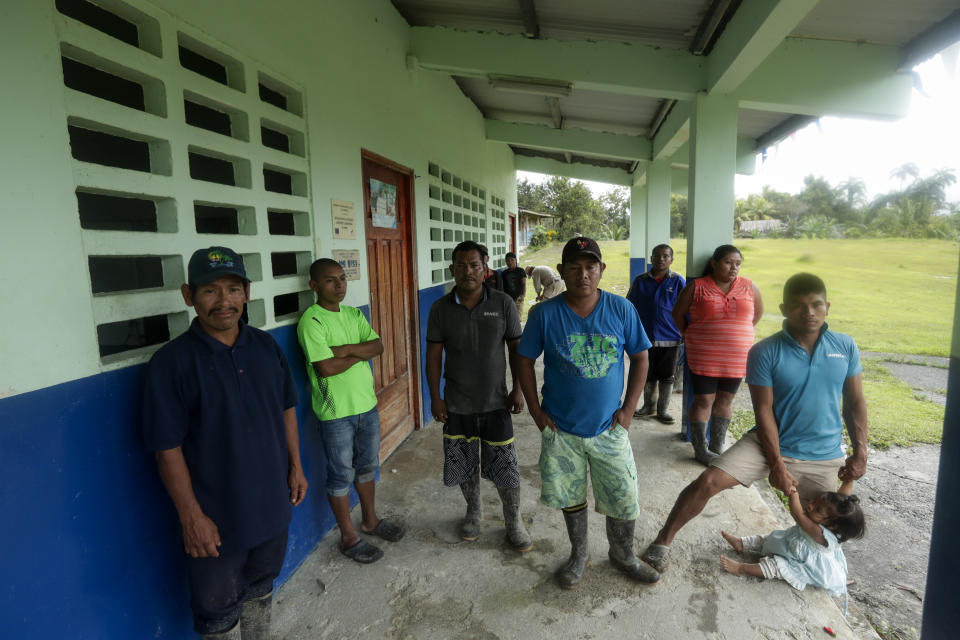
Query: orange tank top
[{"x": 720, "y": 332}]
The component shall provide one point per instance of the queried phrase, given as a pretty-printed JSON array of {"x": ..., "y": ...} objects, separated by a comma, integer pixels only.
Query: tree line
[{"x": 916, "y": 208}]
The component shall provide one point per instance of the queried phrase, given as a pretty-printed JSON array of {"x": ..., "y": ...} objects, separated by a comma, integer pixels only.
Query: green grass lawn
[{"x": 892, "y": 295}]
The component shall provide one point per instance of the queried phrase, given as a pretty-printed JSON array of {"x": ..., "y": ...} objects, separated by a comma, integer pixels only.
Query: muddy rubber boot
[
  {"x": 230, "y": 634},
  {"x": 569, "y": 574},
  {"x": 620, "y": 537},
  {"x": 698, "y": 438},
  {"x": 470, "y": 527},
  {"x": 718, "y": 433},
  {"x": 663, "y": 403},
  {"x": 517, "y": 535},
  {"x": 649, "y": 404},
  {"x": 255, "y": 618}
]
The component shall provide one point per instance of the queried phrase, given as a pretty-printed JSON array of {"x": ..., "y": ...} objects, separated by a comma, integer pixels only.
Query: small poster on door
[
  {"x": 383, "y": 204},
  {"x": 349, "y": 259},
  {"x": 344, "y": 224}
]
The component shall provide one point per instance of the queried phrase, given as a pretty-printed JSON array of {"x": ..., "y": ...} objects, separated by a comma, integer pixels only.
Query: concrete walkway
[{"x": 434, "y": 585}]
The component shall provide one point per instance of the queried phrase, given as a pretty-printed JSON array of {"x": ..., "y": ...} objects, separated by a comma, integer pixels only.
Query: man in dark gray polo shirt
[{"x": 470, "y": 324}]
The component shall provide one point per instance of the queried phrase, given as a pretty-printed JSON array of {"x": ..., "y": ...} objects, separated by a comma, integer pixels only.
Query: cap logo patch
[{"x": 219, "y": 259}]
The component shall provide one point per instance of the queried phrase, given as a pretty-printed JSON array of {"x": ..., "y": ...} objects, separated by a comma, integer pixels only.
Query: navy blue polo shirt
[
  {"x": 807, "y": 390},
  {"x": 224, "y": 406}
]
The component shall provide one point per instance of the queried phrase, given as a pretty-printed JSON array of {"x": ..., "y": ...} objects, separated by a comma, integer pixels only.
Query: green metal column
[
  {"x": 713, "y": 160},
  {"x": 638, "y": 224},
  {"x": 658, "y": 204}
]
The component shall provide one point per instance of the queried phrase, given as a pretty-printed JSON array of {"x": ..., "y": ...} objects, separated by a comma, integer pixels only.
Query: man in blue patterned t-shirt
[{"x": 583, "y": 335}]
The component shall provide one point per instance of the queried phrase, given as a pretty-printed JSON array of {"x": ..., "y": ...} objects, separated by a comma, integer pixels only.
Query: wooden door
[
  {"x": 393, "y": 310},
  {"x": 512, "y": 219}
]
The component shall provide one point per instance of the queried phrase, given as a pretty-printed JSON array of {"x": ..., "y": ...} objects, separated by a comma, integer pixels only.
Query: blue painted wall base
[
  {"x": 637, "y": 266},
  {"x": 92, "y": 544}
]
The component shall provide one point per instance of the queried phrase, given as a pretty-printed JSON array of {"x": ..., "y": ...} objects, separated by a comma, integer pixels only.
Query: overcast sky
[{"x": 840, "y": 148}]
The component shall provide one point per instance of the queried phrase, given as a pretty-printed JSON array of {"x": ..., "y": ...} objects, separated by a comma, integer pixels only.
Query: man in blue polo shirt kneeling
[
  {"x": 220, "y": 413},
  {"x": 806, "y": 383}
]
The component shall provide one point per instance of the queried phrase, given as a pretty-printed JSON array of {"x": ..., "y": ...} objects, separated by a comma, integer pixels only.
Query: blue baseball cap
[{"x": 206, "y": 265}]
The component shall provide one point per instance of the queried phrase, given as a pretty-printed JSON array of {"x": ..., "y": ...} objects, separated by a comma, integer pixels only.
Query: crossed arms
[{"x": 347, "y": 355}]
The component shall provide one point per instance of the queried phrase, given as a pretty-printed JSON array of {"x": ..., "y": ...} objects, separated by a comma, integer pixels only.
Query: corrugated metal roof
[
  {"x": 753, "y": 124},
  {"x": 670, "y": 24},
  {"x": 663, "y": 23},
  {"x": 889, "y": 22}
]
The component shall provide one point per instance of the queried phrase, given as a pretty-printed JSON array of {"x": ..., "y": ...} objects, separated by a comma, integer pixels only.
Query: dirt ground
[{"x": 889, "y": 565}]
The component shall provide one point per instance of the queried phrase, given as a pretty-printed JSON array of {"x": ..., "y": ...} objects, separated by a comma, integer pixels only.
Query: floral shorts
[{"x": 565, "y": 459}]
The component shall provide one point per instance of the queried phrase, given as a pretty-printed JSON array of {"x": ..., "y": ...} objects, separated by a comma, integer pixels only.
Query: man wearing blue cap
[{"x": 220, "y": 414}]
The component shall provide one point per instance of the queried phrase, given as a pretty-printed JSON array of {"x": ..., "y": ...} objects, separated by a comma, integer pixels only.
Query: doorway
[{"x": 391, "y": 265}]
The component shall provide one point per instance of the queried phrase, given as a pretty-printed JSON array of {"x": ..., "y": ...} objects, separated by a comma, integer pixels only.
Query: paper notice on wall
[
  {"x": 344, "y": 223},
  {"x": 349, "y": 259},
  {"x": 383, "y": 204}
]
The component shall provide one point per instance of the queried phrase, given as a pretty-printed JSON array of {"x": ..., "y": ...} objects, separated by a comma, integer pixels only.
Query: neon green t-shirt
[{"x": 350, "y": 392}]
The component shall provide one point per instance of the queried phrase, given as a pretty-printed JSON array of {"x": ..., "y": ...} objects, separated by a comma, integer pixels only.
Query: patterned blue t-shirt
[{"x": 583, "y": 359}]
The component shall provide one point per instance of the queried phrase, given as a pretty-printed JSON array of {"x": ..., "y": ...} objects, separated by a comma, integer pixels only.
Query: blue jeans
[{"x": 352, "y": 445}]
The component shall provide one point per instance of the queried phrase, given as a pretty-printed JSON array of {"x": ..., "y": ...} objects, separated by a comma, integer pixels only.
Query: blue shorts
[{"x": 352, "y": 445}]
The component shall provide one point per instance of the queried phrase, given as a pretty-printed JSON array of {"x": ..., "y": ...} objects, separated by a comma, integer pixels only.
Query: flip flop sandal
[
  {"x": 363, "y": 552},
  {"x": 390, "y": 529},
  {"x": 657, "y": 556}
]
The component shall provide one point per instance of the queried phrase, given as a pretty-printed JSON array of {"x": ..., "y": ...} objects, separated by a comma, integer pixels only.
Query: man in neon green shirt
[{"x": 338, "y": 341}]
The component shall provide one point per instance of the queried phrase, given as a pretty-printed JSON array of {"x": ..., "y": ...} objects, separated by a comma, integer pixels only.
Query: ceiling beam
[
  {"x": 931, "y": 41},
  {"x": 531, "y": 25},
  {"x": 782, "y": 130},
  {"x": 708, "y": 26},
  {"x": 599, "y": 66},
  {"x": 747, "y": 149},
  {"x": 802, "y": 76},
  {"x": 575, "y": 170},
  {"x": 673, "y": 132},
  {"x": 608, "y": 145},
  {"x": 753, "y": 33},
  {"x": 821, "y": 77}
]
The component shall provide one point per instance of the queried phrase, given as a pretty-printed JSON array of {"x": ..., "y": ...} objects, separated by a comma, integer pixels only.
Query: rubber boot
[
  {"x": 649, "y": 404},
  {"x": 231, "y": 634},
  {"x": 255, "y": 618},
  {"x": 517, "y": 535},
  {"x": 663, "y": 403},
  {"x": 569, "y": 574},
  {"x": 620, "y": 537},
  {"x": 470, "y": 527},
  {"x": 718, "y": 433},
  {"x": 698, "y": 438}
]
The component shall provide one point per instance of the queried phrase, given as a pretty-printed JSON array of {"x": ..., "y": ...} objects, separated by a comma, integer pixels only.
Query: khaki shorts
[
  {"x": 554, "y": 289},
  {"x": 746, "y": 463}
]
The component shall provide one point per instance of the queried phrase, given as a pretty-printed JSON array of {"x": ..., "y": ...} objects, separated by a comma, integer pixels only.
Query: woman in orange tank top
[{"x": 718, "y": 332}]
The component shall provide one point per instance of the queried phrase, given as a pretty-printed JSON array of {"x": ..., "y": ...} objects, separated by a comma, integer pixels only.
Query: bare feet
[
  {"x": 730, "y": 565},
  {"x": 735, "y": 542}
]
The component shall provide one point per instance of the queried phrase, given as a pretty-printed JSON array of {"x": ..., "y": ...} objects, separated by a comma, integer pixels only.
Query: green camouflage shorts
[{"x": 563, "y": 472}]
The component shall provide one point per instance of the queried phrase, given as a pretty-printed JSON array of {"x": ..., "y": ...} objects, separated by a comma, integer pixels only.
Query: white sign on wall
[{"x": 344, "y": 223}]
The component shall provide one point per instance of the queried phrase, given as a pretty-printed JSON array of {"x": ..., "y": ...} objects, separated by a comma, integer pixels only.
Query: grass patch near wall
[
  {"x": 893, "y": 295},
  {"x": 896, "y": 415}
]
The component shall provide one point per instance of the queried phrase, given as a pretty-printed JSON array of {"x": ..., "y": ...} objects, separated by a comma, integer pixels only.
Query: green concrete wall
[{"x": 348, "y": 59}]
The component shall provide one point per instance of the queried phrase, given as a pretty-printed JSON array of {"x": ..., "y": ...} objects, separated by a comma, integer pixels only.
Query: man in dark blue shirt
[
  {"x": 654, "y": 294},
  {"x": 220, "y": 413}
]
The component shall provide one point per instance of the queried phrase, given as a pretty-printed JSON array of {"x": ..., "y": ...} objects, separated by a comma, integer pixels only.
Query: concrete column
[
  {"x": 713, "y": 161},
  {"x": 658, "y": 204},
  {"x": 940, "y": 601},
  {"x": 638, "y": 225}
]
